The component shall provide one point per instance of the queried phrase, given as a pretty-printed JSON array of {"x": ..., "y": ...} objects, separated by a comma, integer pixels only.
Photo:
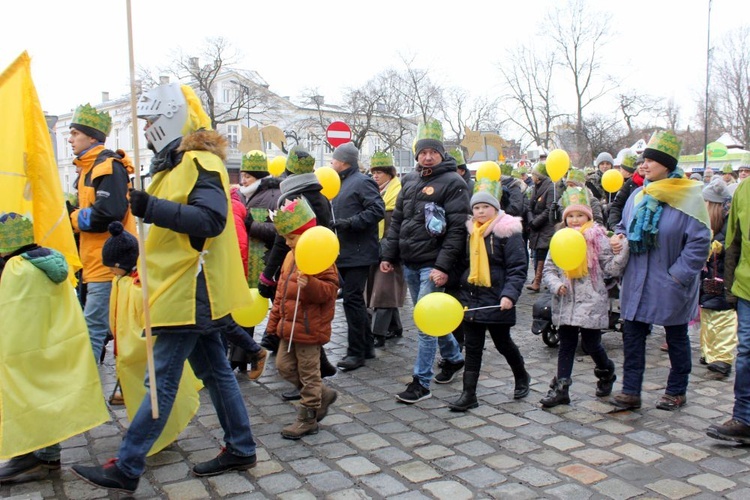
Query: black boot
[
  {"x": 523, "y": 379},
  {"x": 606, "y": 380},
  {"x": 468, "y": 398},
  {"x": 326, "y": 368},
  {"x": 558, "y": 393}
]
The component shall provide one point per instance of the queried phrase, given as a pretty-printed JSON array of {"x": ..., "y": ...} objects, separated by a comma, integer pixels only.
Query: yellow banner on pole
[{"x": 29, "y": 180}]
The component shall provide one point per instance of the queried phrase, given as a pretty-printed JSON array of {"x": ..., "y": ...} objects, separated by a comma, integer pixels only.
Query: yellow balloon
[
  {"x": 488, "y": 170},
  {"x": 438, "y": 314},
  {"x": 277, "y": 166},
  {"x": 330, "y": 181},
  {"x": 567, "y": 249},
  {"x": 558, "y": 163},
  {"x": 317, "y": 249},
  {"x": 612, "y": 180},
  {"x": 253, "y": 313}
]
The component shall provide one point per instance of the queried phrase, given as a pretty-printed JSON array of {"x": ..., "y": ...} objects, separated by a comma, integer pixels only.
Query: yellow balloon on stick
[
  {"x": 253, "y": 313},
  {"x": 277, "y": 166},
  {"x": 612, "y": 180},
  {"x": 488, "y": 170},
  {"x": 330, "y": 181},
  {"x": 438, "y": 314},
  {"x": 317, "y": 249},
  {"x": 558, "y": 163},
  {"x": 567, "y": 249}
]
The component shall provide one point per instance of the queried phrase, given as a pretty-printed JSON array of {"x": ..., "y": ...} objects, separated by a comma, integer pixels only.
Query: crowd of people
[{"x": 677, "y": 246}]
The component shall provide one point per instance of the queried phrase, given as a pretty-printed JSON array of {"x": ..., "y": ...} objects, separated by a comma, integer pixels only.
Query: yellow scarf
[
  {"x": 479, "y": 262},
  {"x": 682, "y": 194},
  {"x": 583, "y": 269}
]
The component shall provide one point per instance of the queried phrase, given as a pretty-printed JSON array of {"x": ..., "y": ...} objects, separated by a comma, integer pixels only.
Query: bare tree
[
  {"x": 671, "y": 114},
  {"x": 732, "y": 84},
  {"x": 421, "y": 96},
  {"x": 634, "y": 105},
  {"x": 603, "y": 133},
  {"x": 579, "y": 33},
  {"x": 479, "y": 113},
  {"x": 250, "y": 98},
  {"x": 528, "y": 78}
]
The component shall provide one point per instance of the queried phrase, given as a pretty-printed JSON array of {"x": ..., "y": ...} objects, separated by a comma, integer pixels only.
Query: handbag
[{"x": 713, "y": 286}]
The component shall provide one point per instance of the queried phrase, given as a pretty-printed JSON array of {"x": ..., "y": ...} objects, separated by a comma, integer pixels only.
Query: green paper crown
[
  {"x": 292, "y": 216},
  {"x": 88, "y": 116},
  {"x": 492, "y": 187},
  {"x": 522, "y": 170},
  {"x": 515, "y": 174},
  {"x": 628, "y": 161},
  {"x": 458, "y": 155},
  {"x": 506, "y": 169},
  {"x": 575, "y": 196},
  {"x": 297, "y": 165},
  {"x": 745, "y": 160},
  {"x": 727, "y": 169},
  {"x": 576, "y": 176},
  {"x": 431, "y": 129},
  {"x": 16, "y": 231},
  {"x": 381, "y": 160},
  {"x": 540, "y": 169},
  {"x": 254, "y": 161},
  {"x": 667, "y": 142}
]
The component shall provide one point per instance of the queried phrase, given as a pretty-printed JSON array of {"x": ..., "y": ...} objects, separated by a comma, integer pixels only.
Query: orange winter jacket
[{"x": 317, "y": 302}]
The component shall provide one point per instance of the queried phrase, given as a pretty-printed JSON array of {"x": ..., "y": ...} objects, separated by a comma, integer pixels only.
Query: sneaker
[
  {"x": 107, "y": 476},
  {"x": 414, "y": 393},
  {"x": 224, "y": 461},
  {"x": 26, "y": 464},
  {"x": 448, "y": 372},
  {"x": 731, "y": 430},
  {"x": 671, "y": 403},
  {"x": 257, "y": 364}
]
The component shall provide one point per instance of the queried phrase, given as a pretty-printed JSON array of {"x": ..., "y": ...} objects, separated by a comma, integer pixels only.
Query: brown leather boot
[
  {"x": 537, "y": 283},
  {"x": 327, "y": 399},
  {"x": 306, "y": 424}
]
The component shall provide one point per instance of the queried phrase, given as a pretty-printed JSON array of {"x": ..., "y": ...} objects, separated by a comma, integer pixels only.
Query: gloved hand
[
  {"x": 249, "y": 220},
  {"x": 70, "y": 207},
  {"x": 266, "y": 287},
  {"x": 554, "y": 213},
  {"x": 342, "y": 225},
  {"x": 138, "y": 202}
]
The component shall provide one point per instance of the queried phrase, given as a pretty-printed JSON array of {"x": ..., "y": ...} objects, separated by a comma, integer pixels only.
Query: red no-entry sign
[{"x": 338, "y": 133}]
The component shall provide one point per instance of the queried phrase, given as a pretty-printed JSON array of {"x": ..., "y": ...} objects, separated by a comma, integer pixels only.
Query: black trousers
[
  {"x": 359, "y": 335},
  {"x": 591, "y": 340},
  {"x": 474, "y": 337}
]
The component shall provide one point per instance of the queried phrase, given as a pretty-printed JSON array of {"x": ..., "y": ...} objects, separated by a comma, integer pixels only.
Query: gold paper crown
[
  {"x": 254, "y": 161},
  {"x": 381, "y": 160},
  {"x": 292, "y": 216},
  {"x": 297, "y": 165},
  {"x": 88, "y": 116},
  {"x": 16, "y": 231}
]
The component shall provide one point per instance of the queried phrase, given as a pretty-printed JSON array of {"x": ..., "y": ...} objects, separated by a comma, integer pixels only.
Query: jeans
[
  {"x": 500, "y": 334},
  {"x": 591, "y": 340},
  {"x": 741, "y": 410},
  {"x": 209, "y": 362},
  {"x": 96, "y": 312},
  {"x": 359, "y": 335},
  {"x": 419, "y": 283},
  {"x": 634, "y": 335},
  {"x": 239, "y": 336}
]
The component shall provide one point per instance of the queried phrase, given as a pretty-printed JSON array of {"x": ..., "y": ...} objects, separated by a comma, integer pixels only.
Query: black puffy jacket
[{"x": 408, "y": 240}]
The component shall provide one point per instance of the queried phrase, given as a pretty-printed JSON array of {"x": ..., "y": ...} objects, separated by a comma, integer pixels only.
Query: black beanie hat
[
  {"x": 121, "y": 249},
  {"x": 90, "y": 131}
]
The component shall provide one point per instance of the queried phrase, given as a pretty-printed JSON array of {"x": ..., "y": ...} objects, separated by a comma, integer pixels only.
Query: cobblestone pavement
[{"x": 371, "y": 446}]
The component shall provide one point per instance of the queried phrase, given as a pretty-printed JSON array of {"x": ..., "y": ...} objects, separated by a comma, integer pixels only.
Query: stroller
[{"x": 542, "y": 314}]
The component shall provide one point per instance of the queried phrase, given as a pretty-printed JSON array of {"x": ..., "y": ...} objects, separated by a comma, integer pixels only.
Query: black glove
[
  {"x": 138, "y": 202},
  {"x": 554, "y": 213},
  {"x": 342, "y": 225},
  {"x": 249, "y": 221},
  {"x": 266, "y": 287},
  {"x": 70, "y": 207}
]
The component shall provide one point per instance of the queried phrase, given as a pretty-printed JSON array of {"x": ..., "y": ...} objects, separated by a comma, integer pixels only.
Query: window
[
  {"x": 231, "y": 94},
  {"x": 233, "y": 135}
]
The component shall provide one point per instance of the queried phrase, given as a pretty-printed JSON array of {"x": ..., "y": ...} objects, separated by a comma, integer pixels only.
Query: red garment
[
  {"x": 637, "y": 179},
  {"x": 240, "y": 212}
]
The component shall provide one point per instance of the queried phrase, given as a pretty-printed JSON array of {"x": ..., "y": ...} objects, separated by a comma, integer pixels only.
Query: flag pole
[{"x": 141, "y": 245}]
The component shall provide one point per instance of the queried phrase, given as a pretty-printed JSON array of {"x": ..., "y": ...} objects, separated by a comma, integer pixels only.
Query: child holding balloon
[
  {"x": 301, "y": 316},
  {"x": 490, "y": 288},
  {"x": 580, "y": 257}
]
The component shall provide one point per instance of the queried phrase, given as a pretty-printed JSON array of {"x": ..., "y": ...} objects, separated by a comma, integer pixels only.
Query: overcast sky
[{"x": 79, "y": 48}]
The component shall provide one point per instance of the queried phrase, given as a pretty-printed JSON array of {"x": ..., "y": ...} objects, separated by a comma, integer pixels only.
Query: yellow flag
[{"x": 29, "y": 180}]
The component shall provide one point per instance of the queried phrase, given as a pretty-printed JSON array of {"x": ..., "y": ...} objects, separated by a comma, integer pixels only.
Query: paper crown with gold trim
[
  {"x": 430, "y": 135},
  {"x": 576, "y": 199},
  {"x": 16, "y": 231},
  {"x": 299, "y": 161},
  {"x": 664, "y": 147},
  {"x": 381, "y": 159},
  {"x": 294, "y": 217},
  {"x": 254, "y": 161},
  {"x": 458, "y": 155},
  {"x": 90, "y": 121},
  {"x": 492, "y": 187}
]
